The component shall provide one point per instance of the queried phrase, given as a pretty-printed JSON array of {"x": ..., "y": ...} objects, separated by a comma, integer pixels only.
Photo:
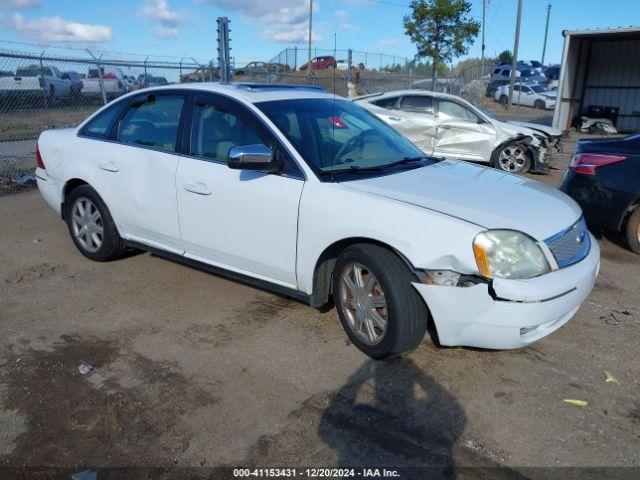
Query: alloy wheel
[
  {"x": 512, "y": 158},
  {"x": 363, "y": 303},
  {"x": 86, "y": 223}
]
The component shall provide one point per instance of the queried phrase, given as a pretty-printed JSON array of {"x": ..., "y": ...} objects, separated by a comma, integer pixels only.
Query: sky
[{"x": 262, "y": 28}]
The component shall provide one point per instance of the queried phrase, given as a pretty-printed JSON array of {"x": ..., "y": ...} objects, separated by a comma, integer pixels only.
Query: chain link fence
[
  {"x": 39, "y": 91},
  {"x": 43, "y": 90}
]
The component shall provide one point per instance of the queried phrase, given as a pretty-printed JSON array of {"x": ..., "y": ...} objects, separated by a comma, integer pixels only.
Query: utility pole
[
  {"x": 514, "y": 62},
  {"x": 484, "y": 18},
  {"x": 224, "y": 64},
  {"x": 309, "y": 48},
  {"x": 546, "y": 32}
]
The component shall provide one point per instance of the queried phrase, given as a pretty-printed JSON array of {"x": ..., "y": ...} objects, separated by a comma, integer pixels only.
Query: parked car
[
  {"x": 449, "y": 126},
  {"x": 309, "y": 195},
  {"x": 35, "y": 82},
  {"x": 522, "y": 74},
  {"x": 253, "y": 68},
  {"x": 321, "y": 63},
  {"x": 604, "y": 178},
  {"x": 536, "y": 96},
  {"x": 493, "y": 85},
  {"x": 76, "y": 82},
  {"x": 112, "y": 81},
  {"x": 152, "y": 81}
]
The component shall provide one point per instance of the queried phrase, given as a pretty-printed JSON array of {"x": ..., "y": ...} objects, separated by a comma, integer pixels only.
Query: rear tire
[
  {"x": 633, "y": 231},
  {"x": 91, "y": 226},
  {"x": 385, "y": 279},
  {"x": 539, "y": 104}
]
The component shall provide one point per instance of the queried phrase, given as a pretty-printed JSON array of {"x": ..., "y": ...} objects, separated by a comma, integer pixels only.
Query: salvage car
[
  {"x": 534, "y": 95},
  {"x": 604, "y": 178},
  {"x": 309, "y": 195},
  {"x": 449, "y": 126}
]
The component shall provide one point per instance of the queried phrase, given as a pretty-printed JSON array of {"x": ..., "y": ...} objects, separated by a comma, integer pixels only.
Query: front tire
[
  {"x": 383, "y": 315},
  {"x": 539, "y": 104},
  {"x": 633, "y": 231},
  {"x": 512, "y": 158},
  {"x": 504, "y": 100},
  {"x": 91, "y": 226}
]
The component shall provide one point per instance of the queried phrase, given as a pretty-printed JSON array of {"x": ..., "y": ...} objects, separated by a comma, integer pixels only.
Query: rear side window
[
  {"x": 388, "y": 103},
  {"x": 417, "y": 103},
  {"x": 99, "y": 126},
  {"x": 153, "y": 123}
]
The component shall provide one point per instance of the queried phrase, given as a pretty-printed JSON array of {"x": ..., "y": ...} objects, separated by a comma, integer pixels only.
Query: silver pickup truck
[{"x": 34, "y": 82}]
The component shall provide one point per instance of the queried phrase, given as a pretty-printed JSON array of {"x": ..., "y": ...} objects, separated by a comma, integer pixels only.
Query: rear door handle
[
  {"x": 445, "y": 127},
  {"x": 109, "y": 166},
  {"x": 198, "y": 188},
  {"x": 395, "y": 119}
]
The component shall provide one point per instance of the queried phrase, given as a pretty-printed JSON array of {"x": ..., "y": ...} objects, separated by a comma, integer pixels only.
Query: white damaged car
[
  {"x": 293, "y": 190},
  {"x": 447, "y": 126}
]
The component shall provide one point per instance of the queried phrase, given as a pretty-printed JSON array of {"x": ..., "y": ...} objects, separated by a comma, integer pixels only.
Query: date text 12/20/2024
[{"x": 315, "y": 473}]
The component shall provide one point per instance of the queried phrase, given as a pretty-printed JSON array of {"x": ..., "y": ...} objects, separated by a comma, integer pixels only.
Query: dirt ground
[{"x": 193, "y": 372}]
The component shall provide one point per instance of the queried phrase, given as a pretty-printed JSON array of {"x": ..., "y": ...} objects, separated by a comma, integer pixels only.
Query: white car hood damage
[
  {"x": 554, "y": 132},
  {"x": 483, "y": 196}
]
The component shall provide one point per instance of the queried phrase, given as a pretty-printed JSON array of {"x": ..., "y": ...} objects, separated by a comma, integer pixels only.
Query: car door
[
  {"x": 461, "y": 133},
  {"x": 138, "y": 169},
  {"x": 412, "y": 116},
  {"x": 240, "y": 220},
  {"x": 525, "y": 96}
]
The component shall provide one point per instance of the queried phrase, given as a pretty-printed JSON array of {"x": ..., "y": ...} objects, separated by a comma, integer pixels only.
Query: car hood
[
  {"x": 483, "y": 196},
  {"x": 554, "y": 132}
]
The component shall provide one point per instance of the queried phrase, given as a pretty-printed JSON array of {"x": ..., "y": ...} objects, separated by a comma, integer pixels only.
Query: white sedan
[
  {"x": 296, "y": 191},
  {"x": 536, "y": 96}
]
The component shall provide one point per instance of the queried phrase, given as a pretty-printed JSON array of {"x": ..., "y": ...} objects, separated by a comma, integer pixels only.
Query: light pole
[
  {"x": 484, "y": 18},
  {"x": 546, "y": 32},
  {"x": 514, "y": 61},
  {"x": 309, "y": 47}
]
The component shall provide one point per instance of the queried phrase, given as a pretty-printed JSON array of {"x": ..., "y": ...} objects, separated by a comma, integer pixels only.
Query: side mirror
[{"x": 254, "y": 157}]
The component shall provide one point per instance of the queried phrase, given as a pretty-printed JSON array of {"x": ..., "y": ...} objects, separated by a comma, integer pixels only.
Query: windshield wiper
[{"x": 404, "y": 161}]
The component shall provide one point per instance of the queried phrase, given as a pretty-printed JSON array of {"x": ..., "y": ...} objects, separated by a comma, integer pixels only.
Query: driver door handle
[
  {"x": 395, "y": 119},
  {"x": 198, "y": 188},
  {"x": 445, "y": 127}
]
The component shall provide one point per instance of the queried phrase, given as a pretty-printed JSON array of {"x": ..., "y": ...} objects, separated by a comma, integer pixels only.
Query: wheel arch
[
  {"x": 624, "y": 219},
  {"x": 76, "y": 182},
  {"x": 324, "y": 266}
]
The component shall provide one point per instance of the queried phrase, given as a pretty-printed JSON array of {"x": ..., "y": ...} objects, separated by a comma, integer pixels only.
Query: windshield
[
  {"x": 538, "y": 88},
  {"x": 340, "y": 136}
]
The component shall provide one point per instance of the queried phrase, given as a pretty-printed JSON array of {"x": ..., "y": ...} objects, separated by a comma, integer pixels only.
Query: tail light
[
  {"x": 587, "y": 163},
  {"x": 41, "y": 82},
  {"x": 39, "y": 161},
  {"x": 109, "y": 76}
]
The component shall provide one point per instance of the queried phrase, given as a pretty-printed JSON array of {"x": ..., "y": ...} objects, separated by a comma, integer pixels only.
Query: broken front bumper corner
[{"x": 518, "y": 314}]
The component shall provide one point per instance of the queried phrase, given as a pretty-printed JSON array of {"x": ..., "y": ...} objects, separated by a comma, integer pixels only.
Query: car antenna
[{"x": 333, "y": 107}]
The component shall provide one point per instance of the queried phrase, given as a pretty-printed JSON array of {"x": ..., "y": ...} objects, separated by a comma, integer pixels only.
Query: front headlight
[{"x": 508, "y": 254}]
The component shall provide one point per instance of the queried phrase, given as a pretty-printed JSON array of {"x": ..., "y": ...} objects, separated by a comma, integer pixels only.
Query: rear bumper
[
  {"x": 527, "y": 310},
  {"x": 49, "y": 189}
]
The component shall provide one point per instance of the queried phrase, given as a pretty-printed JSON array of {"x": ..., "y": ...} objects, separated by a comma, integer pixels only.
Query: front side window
[
  {"x": 340, "y": 136},
  {"x": 153, "y": 123},
  {"x": 417, "y": 103},
  {"x": 450, "y": 110},
  {"x": 216, "y": 131}
]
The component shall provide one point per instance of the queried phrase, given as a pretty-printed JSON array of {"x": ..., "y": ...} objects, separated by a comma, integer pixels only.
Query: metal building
[{"x": 600, "y": 71}]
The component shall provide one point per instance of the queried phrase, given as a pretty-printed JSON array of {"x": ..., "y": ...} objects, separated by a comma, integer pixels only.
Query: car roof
[
  {"x": 397, "y": 93},
  {"x": 252, "y": 93}
]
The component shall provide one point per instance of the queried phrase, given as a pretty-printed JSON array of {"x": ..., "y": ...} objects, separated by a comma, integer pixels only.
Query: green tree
[
  {"x": 441, "y": 30},
  {"x": 505, "y": 56}
]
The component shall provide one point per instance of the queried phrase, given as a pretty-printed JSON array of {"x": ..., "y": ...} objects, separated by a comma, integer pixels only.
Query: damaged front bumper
[{"x": 510, "y": 313}]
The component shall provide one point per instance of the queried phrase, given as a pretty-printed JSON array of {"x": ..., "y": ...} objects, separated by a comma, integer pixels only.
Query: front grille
[{"x": 571, "y": 245}]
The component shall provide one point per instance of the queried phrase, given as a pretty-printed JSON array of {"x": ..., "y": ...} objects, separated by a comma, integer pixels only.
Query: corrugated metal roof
[{"x": 604, "y": 31}]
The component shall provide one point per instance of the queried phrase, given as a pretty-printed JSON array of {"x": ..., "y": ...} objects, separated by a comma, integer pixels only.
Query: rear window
[{"x": 33, "y": 72}]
